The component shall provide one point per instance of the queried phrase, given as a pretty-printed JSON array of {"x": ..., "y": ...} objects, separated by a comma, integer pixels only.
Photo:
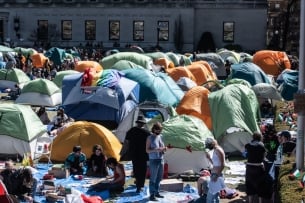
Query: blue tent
[
  {"x": 156, "y": 86},
  {"x": 56, "y": 55},
  {"x": 104, "y": 105},
  {"x": 288, "y": 84},
  {"x": 249, "y": 72}
]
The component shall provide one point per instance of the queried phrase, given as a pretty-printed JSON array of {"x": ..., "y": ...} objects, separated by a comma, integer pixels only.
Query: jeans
[
  {"x": 213, "y": 198},
  {"x": 156, "y": 174}
]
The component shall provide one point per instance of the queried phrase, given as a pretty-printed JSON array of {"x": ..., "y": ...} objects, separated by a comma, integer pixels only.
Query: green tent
[
  {"x": 40, "y": 92},
  {"x": 19, "y": 129},
  {"x": 184, "y": 131},
  {"x": 60, "y": 76},
  {"x": 42, "y": 86},
  {"x": 14, "y": 75},
  {"x": 139, "y": 59},
  {"x": 235, "y": 105},
  {"x": 20, "y": 121}
]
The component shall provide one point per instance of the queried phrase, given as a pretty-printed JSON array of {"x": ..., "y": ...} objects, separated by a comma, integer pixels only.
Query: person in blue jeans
[{"x": 155, "y": 148}]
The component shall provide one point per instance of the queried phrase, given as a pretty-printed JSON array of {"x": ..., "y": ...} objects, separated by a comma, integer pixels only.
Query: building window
[
  {"x": 138, "y": 30},
  {"x": 228, "y": 31},
  {"x": 42, "y": 32},
  {"x": 90, "y": 29},
  {"x": 163, "y": 31},
  {"x": 114, "y": 30},
  {"x": 66, "y": 29}
]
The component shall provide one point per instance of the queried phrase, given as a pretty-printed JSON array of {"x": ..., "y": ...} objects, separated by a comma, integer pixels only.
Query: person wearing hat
[
  {"x": 75, "y": 162},
  {"x": 136, "y": 139}
]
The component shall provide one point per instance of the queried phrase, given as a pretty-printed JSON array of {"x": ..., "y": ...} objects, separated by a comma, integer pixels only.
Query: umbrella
[{"x": 6, "y": 49}]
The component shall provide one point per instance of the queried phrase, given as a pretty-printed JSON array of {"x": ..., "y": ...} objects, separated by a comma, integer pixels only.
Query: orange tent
[
  {"x": 202, "y": 71},
  {"x": 81, "y": 66},
  {"x": 167, "y": 64},
  {"x": 39, "y": 60},
  {"x": 178, "y": 72},
  {"x": 272, "y": 62},
  {"x": 195, "y": 102}
]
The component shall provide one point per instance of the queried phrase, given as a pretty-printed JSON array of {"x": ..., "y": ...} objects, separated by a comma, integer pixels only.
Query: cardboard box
[{"x": 171, "y": 185}]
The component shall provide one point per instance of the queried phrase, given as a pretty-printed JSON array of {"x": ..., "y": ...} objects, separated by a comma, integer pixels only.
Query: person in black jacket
[
  {"x": 19, "y": 182},
  {"x": 96, "y": 165},
  {"x": 136, "y": 137}
]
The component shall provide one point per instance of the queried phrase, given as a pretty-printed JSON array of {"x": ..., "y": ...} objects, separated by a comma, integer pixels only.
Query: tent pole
[{"x": 300, "y": 124}]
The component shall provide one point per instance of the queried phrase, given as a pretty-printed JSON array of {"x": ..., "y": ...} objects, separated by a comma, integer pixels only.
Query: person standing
[
  {"x": 255, "y": 170},
  {"x": 137, "y": 137},
  {"x": 216, "y": 182},
  {"x": 155, "y": 148}
]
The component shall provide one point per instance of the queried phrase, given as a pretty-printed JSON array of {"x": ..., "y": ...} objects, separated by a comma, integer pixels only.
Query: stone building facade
[{"x": 170, "y": 24}]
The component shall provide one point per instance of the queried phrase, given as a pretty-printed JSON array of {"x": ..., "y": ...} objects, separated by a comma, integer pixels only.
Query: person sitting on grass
[{"x": 113, "y": 183}]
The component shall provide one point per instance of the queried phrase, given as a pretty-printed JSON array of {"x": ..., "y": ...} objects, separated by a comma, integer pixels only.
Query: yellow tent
[{"x": 86, "y": 134}]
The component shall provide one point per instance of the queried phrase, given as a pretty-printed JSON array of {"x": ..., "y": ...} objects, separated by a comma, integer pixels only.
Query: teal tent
[
  {"x": 155, "y": 86},
  {"x": 249, "y": 72},
  {"x": 56, "y": 55}
]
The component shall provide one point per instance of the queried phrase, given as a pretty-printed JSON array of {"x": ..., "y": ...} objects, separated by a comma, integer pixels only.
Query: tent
[
  {"x": 40, "y": 92},
  {"x": 288, "y": 84},
  {"x": 10, "y": 77},
  {"x": 195, "y": 102},
  {"x": 81, "y": 66},
  {"x": 152, "y": 111},
  {"x": 267, "y": 91},
  {"x": 56, "y": 55},
  {"x": 86, "y": 134},
  {"x": 19, "y": 129},
  {"x": 216, "y": 62},
  {"x": 185, "y": 136},
  {"x": 235, "y": 105},
  {"x": 202, "y": 71},
  {"x": 60, "y": 76},
  {"x": 272, "y": 62},
  {"x": 249, "y": 72},
  {"x": 180, "y": 71},
  {"x": 139, "y": 59},
  {"x": 25, "y": 51},
  {"x": 155, "y": 86},
  {"x": 39, "y": 60},
  {"x": 232, "y": 56},
  {"x": 102, "y": 104}
]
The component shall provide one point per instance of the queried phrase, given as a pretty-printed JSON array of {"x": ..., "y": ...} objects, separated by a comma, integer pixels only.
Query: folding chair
[{"x": 43, "y": 149}]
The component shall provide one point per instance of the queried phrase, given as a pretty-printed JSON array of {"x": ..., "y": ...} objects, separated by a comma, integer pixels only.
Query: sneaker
[
  {"x": 159, "y": 196},
  {"x": 153, "y": 198}
]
